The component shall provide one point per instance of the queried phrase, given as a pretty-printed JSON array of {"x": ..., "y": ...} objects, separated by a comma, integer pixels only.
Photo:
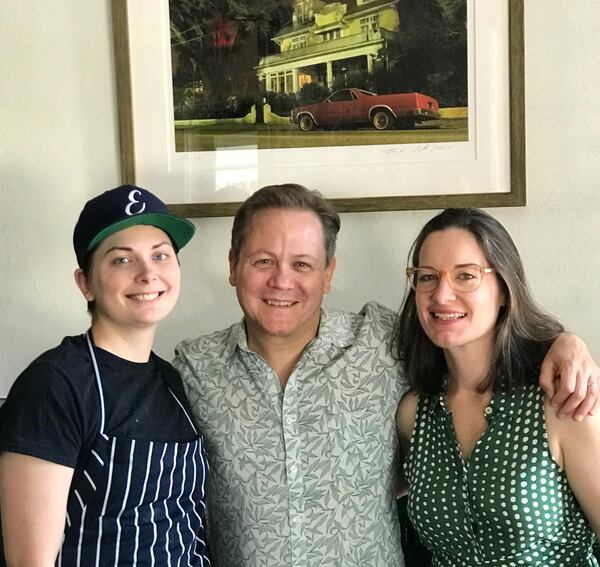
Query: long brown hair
[{"x": 523, "y": 331}]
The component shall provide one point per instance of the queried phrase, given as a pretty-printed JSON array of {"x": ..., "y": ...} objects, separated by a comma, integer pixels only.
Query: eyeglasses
[{"x": 463, "y": 278}]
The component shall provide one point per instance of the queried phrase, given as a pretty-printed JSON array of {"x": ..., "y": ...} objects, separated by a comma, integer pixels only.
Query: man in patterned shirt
[{"x": 296, "y": 402}]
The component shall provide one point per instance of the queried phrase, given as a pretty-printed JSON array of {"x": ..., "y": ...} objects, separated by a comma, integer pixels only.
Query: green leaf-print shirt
[
  {"x": 509, "y": 506},
  {"x": 303, "y": 477}
]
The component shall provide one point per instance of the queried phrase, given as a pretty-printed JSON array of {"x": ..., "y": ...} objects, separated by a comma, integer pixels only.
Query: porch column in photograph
[
  {"x": 370, "y": 63},
  {"x": 295, "y": 86},
  {"x": 329, "y": 74}
]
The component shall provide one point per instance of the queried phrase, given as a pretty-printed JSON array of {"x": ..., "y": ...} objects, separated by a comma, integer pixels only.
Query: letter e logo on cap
[{"x": 132, "y": 201}]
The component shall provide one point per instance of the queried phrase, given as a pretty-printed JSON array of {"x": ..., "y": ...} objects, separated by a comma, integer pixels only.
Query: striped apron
[{"x": 137, "y": 502}]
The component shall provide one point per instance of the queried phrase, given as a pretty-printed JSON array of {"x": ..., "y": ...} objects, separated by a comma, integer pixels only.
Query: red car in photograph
[{"x": 357, "y": 107}]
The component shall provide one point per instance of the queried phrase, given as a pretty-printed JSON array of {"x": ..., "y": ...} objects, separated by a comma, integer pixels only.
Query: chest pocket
[{"x": 356, "y": 441}]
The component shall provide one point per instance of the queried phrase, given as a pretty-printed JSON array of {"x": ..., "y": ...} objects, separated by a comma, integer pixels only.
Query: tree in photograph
[
  {"x": 215, "y": 44},
  {"x": 432, "y": 49}
]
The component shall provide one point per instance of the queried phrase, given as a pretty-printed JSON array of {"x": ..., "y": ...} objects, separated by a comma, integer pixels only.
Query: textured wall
[{"x": 58, "y": 146}]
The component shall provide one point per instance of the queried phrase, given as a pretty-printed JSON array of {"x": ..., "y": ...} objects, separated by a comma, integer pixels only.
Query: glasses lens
[
  {"x": 466, "y": 278},
  {"x": 461, "y": 279},
  {"x": 425, "y": 280}
]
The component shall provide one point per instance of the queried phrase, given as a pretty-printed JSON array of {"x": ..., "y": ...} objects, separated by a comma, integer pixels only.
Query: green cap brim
[{"x": 179, "y": 229}]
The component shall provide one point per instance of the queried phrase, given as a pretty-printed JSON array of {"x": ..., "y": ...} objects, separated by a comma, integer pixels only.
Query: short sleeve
[{"x": 43, "y": 416}]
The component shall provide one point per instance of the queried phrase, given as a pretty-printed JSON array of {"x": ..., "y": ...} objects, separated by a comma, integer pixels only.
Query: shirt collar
[
  {"x": 506, "y": 403},
  {"x": 509, "y": 403},
  {"x": 236, "y": 338},
  {"x": 332, "y": 331}
]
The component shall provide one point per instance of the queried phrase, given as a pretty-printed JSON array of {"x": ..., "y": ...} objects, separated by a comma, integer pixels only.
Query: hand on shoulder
[{"x": 567, "y": 372}]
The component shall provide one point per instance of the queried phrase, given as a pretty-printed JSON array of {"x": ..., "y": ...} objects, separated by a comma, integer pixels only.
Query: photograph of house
[
  {"x": 330, "y": 40},
  {"x": 265, "y": 73}
]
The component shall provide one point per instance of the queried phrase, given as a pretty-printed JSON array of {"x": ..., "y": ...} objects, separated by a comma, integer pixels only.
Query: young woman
[
  {"x": 101, "y": 462},
  {"x": 495, "y": 478}
]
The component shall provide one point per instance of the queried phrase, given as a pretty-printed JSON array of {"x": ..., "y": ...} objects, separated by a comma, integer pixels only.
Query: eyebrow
[
  {"x": 260, "y": 251},
  {"x": 129, "y": 249},
  {"x": 455, "y": 266},
  {"x": 269, "y": 253}
]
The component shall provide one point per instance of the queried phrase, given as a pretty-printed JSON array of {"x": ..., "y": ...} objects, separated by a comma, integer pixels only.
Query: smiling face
[
  {"x": 134, "y": 278},
  {"x": 453, "y": 319},
  {"x": 281, "y": 275}
]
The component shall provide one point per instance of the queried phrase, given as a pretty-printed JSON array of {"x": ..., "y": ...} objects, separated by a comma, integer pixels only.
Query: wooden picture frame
[{"x": 497, "y": 153}]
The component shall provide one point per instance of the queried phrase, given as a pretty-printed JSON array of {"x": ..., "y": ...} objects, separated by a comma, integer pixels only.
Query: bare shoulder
[
  {"x": 566, "y": 427},
  {"x": 570, "y": 437},
  {"x": 406, "y": 415}
]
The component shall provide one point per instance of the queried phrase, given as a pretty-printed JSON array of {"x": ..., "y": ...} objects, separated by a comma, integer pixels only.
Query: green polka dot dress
[{"x": 509, "y": 505}]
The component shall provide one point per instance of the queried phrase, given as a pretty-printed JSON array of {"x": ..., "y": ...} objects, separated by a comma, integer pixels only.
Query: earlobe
[
  {"x": 232, "y": 268},
  {"x": 329, "y": 275},
  {"x": 83, "y": 284}
]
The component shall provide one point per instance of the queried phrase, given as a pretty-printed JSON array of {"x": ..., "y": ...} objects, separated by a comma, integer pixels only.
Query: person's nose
[
  {"x": 281, "y": 277},
  {"x": 444, "y": 293},
  {"x": 146, "y": 271}
]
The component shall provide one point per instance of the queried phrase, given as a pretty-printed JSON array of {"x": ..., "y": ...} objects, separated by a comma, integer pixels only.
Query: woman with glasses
[{"x": 495, "y": 478}]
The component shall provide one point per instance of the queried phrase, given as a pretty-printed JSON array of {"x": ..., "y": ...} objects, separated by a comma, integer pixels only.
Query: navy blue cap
[{"x": 121, "y": 208}]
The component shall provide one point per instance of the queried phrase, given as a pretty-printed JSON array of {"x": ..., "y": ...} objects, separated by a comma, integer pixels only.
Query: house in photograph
[{"x": 329, "y": 41}]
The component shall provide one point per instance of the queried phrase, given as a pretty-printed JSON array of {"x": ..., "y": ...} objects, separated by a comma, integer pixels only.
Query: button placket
[
  {"x": 470, "y": 525},
  {"x": 293, "y": 471}
]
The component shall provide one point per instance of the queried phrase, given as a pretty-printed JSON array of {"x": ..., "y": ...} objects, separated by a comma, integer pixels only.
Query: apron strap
[
  {"x": 185, "y": 412},
  {"x": 98, "y": 381}
]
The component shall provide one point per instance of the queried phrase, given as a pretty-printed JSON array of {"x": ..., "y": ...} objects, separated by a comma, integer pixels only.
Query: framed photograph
[{"x": 356, "y": 98}]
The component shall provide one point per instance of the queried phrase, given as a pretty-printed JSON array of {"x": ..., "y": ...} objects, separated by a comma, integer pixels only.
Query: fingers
[
  {"x": 547, "y": 379},
  {"x": 573, "y": 400},
  {"x": 567, "y": 382},
  {"x": 590, "y": 402},
  {"x": 596, "y": 407},
  {"x": 584, "y": 400}
]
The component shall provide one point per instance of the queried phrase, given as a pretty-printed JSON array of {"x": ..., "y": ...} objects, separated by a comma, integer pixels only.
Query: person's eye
[
  {"x": 465, "y": 276},
  {"x": 120, "y": 260},
  {"x": 302, "y": 266},
  {"x": 263, "y": 262},
  {"x": 427, "y": 276},
  {"x": 161, "y": 256}
]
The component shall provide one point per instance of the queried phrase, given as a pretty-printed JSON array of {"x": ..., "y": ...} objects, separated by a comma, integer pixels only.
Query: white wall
[{"x": 58, "y": 147}]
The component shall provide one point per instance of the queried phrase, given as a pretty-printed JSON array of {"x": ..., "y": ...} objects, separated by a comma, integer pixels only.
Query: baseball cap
[{"x": 121, "y": 208}]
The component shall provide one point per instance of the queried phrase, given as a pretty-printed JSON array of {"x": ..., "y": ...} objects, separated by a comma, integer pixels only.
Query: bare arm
[
  {"x": 576, "y": 448},
  {"x": 33, "y": 502},
  {"x": 405, "y": 423},
  {"x": 566, "y": 372},
  {"x": 406, "y": 415}
]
